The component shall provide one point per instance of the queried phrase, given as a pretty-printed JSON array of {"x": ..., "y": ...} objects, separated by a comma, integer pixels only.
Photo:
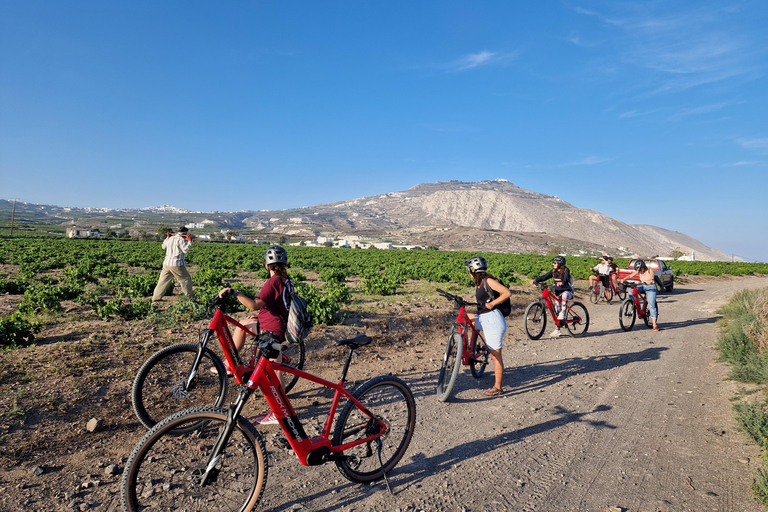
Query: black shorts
[{"x": 606, "y": 280}]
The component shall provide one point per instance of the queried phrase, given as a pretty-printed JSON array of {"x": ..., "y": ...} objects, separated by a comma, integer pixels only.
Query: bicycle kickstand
[{"x": 381, "y": 463}]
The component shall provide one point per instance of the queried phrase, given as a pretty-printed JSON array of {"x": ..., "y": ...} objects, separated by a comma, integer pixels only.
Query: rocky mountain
[
  {"x": 496, "y": 215},
  {"x": 488, "y": 215}
]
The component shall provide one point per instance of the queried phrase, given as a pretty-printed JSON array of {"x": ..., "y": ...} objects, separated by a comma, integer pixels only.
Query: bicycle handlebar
[{"x": 455, "y": 298}]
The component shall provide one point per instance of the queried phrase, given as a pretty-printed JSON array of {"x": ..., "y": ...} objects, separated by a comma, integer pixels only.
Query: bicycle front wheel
[
  {"x": 577, "y": 319},
  {"x": 535, "y": 320},
  {"x": 479, "y": 360},
  {"x": 390, "y": 401},
  {"x": 449, "y": 370},
  {"x": 627, "y": 314},
  {"x": 607, "y": 293},
  {"x": 164, "y": 471},
  {"x": 595, "y": 293},
  {"x": 158, "y": 389}
]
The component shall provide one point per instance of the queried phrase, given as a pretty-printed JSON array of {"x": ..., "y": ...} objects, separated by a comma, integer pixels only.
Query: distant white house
[
  {"x": 204, "y": 237},
  {"x": 75, "y": 232},
  {"x": 195, "y": 225},
  {"x": 382, "y": 245},
  {"x": 324, "y": 239},
  {"x": 342, "y": 243}
]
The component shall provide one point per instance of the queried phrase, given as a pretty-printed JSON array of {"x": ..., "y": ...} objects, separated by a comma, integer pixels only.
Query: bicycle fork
[
  {"x": 210, "y": 473},
  {"x": 189, "y": 381}
]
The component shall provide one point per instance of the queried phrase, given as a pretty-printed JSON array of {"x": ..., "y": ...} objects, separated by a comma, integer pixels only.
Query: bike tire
[
  {"x": 297, "y": 353},
  {"x": 479, "y": 361},
  {"x": 621, "y": 291},
  {"x": 627, "y": 314},
  {"x": 157, "y": 389},
  {"x": 389, "y": 399},
  {"x": 577, "y": 319},
  {"x": 161, "y": 470},
  {"x": 647, "y": 318},
  {"x": 609, "y": 292},
  {"x": 595, "y": 293},
  {"x": 535, "y": 320},
  {"x": 449, "y": 370}
]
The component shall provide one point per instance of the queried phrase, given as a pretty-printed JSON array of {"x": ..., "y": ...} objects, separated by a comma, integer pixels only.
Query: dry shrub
[{"x": 757, "y": 330}]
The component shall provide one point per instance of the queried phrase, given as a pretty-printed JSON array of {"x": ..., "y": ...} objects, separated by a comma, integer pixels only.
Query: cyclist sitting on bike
[
  {"x": 648, "y": 286},
  {"x": 272, "y": 304},
  {"x": 489, "y": 320},
  {"x": 604, "y": 271},
  {"x": 563, "y": 290},
  {"x": 614, "y": 269}
]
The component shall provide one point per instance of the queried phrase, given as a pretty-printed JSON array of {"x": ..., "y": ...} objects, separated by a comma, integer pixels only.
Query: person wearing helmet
[
  {"x": 272, "y": 303},
  {"x": 614, "y": 269},
  {"x": 604, "y": 270},
  {"x": 563, "y": 290},
  {"x": 175, "y": 265},
  {"x": 488, "y": 318},
  {"x": 648, "y": 285}
]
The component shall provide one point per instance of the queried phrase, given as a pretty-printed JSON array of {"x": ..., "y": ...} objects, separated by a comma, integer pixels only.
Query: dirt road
[
  {"x": 637, "y": 421},
  {"x": 614, "y": 421}
]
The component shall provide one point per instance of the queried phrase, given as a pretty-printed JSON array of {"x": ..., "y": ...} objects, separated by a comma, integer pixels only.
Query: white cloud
[
  {"x": 760, "y": 144},
  {"x": 476, "y": 60},
  {"x": 740, "y": 164},
  {"x": 590, "y": 160},
  {"x": 704, "y": 109}
]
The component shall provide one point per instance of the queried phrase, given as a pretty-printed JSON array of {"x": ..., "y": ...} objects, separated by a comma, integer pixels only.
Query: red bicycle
[
  {"x": 465, "y": 346},
  {"x": 599, "y": 290},
  {"x": 633, "y": 306},
  {"x": 535, "y": 321},
  {"x": 221, "y": 462},
  {"x": 178, "y": 377}
]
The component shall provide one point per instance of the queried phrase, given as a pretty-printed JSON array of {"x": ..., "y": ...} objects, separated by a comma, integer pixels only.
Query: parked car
[{"x": 665, "y": 277}]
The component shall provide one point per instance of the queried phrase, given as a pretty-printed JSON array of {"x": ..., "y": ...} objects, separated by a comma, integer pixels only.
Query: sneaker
[
  {"x": 267, "y": 419},
  {"x": 555, "y": 334},
  {"x": 226, "y": 367}
]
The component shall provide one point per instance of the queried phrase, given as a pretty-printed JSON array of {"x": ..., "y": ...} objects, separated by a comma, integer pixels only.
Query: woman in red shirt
[{"x": 272, "y": 304}]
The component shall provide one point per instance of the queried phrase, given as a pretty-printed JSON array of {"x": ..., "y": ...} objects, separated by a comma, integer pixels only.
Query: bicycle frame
[
  {"x": 219, "y": 325},
  {"x": 549, "y": 299},
  {"x": 466, "y": 324},
  {"x": 641, "y": 303},
  {"x": 310, "y": 451}
]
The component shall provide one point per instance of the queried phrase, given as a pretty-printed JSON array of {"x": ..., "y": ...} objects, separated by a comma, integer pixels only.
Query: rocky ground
[{"x": 613, "y": 421}]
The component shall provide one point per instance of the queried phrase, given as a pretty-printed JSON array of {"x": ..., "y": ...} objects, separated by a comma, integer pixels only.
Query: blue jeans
[{"x": 650, "y": 296}]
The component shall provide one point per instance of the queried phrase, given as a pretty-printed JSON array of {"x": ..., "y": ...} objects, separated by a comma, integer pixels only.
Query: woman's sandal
[{"x": 494, "y": 391}]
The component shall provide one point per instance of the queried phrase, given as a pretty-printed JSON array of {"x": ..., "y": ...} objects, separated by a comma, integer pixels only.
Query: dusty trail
[{"x": 639, "y": 420}]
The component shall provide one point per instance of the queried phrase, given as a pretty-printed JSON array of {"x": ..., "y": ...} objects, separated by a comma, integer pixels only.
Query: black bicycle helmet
[
  {"x": 640, "y": 264},
  {"x": 476, "y": 263},
  {"x": 608, "y": 258},
  {"x": 560, "y": 260},
  {"x": 275, "y": 254}
]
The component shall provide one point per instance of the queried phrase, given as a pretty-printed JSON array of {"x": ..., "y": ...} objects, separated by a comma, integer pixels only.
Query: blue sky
[{"x": 650, "y": 112}]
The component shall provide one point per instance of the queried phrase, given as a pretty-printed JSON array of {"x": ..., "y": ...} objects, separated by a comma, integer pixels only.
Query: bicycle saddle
[{"x": 358, "y": 341}]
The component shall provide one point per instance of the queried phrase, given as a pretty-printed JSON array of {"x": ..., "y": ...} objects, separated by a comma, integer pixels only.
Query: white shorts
[{"x": 493, "y": 325}]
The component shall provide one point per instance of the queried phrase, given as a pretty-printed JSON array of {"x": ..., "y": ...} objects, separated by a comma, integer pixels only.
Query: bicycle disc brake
[{"x": 179, "y": 391}]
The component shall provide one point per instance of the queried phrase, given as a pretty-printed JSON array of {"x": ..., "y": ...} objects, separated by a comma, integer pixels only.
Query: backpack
[
  {"x": 299, "y": 321},
  {"x": 506, "y": 306}
]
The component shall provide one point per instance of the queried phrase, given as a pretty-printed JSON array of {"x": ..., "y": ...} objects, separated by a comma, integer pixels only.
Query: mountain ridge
[{"x": 491, "y": 215}]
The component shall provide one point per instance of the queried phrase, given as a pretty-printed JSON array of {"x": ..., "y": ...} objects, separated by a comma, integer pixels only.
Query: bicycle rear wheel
[
  {"x": 627, "y": 314},
  {"x": 449, "y": 370},
  {"x": 535, "y": 320},
  {"x": 621, "y": 291},
  {"x": 390, "y": 401},
  {"x": 158, "y": 389},
  {"x": 479, "y": 361},
  {"x": 164, "y": 470},
  {"x": 295, "y": 352},
  {"x": 577, "y": 319}
]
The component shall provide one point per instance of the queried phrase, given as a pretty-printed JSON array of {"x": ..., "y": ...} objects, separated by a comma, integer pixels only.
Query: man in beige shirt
[{"x": 174, "y": 265}]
